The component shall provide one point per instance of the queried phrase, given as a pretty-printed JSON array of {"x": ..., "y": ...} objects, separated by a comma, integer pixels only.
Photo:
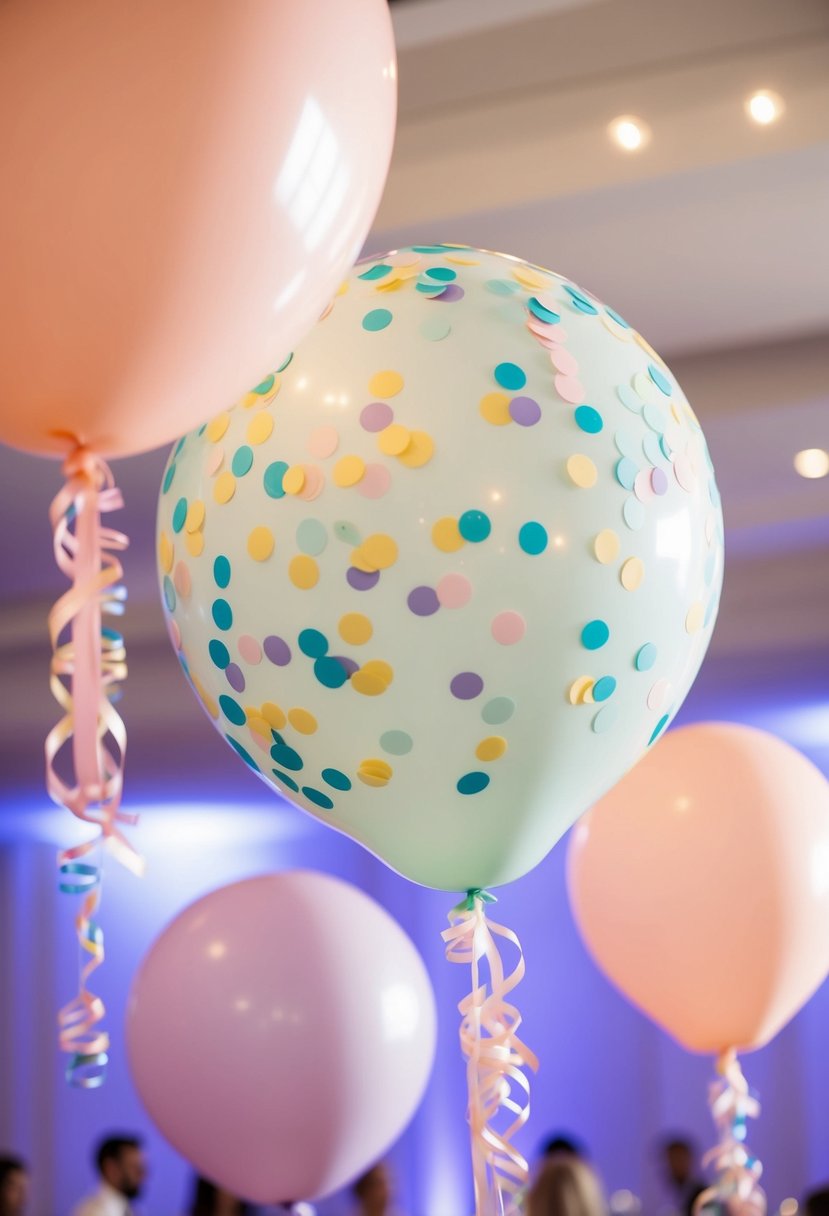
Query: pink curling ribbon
[
  {"x": 738, "y": 1171},
  {"x": 495, "y": 1055},
  {"x": 88, "y": 663}
]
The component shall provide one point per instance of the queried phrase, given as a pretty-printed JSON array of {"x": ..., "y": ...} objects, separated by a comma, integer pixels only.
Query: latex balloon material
[
  {"x": 184, "y": 185},
  {"x": 281, "y": 1032},
  {"x": 446, "y": 575},
  {"x": 701, "y": 885}
]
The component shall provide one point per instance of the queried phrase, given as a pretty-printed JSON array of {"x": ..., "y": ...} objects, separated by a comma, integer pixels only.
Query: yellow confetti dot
[
  {"x": 224, "y": 487},
  {"x": 260, "y": 543},
  {"x": 693, "y": 620},
  {"x": 294, "y": 479},
  {"x": 374, "y": 772},
  {"x": 355, "y": 628},
  {"x": 494, "y": 408},
  {"x": 606, "y": 546},
  {"x": 194, "y": 543},
  {"x": 446, "y": 535},
  {"x": 217, "y": 427},
  {"x": 195, "y": 516},
  {"x": 492, "y": 748},
  {"x": 376, "y": 667},
  {"x": 259, "y": 725},
  {"x": 274, "y": 715},
  {"x": 529, "y": 278},
  {"x": 303, "y": 721},
  {"x": 303, "y": 572},
  {"x": 675, "y": 411},
  {"x": 385, "y": 384},
  {"x": 582, "y": 471},
  {"x": 260, "y": 427},
  {"x": 368, "y": 685},
  {"x": 348, "y": 471},
  {"x": 394, "y": 440},
  {"x": 378, "y": 551},
  {"x": 632, "y": 573},
  {"x": 342, "y": 289},
  {"x": 166, "y": 552},
  {"x": 390, "y": 284},
  {"x": 420, "y": 451},
  {"x": 577, "y": 693},
  {"x": 459, "y": 261}
]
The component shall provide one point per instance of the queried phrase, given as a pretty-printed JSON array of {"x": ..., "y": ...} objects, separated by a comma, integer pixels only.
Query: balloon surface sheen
[
  {"x": 701, "y": 885},
  {"x": 445, "y": 575},
  {"x": 184, "y": 185},
  {"x": 281, "y": 1032}
]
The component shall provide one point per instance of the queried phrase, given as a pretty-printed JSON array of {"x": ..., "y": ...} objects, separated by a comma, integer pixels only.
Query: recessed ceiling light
[
  {"x": 764, "y": 107},
  {"x": 812, "y": 462},
  {"x": 629, "y": 133}
]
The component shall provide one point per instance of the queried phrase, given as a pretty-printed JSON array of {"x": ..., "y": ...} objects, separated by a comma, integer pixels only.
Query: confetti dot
[
  {"x": 260, "y": 428},
  {"x": 277, "y": 650},
  {"x": 495, "y": 409},
  {"x": 645, "y": 657},
  {"x": 249, "y": 649},
  {"x": 510, "y": 376},
  {"x": 454, "y": 591},
  {"x": 317, "y": 797},
  {"x": 323, "y": 442},
  {"x": 169, "y": 593},
  {"x": 182, "y": 580},
  {"x": 466, "y": 686},
  {"x": 232, "y": 710},
  {"x": 348, "y": 470},
  {"x": 194, "y": 543},
  {"x": 633, "y": 513},
  {"x": 626, "y": 442},
  {"x": 374, "y": 772},
  {"x": 273, "y": 477},
  {"x": 165, "y": 552},
  {"x": 222, "y": 614},
  {"x": 362, "y": 580},
  {"x": 336, "y": 779},
  {"x": 242, "y": 461},
  {"x": 595, "y": 635},
  {"x": 396, "y": 742},
  {"x": 385, "y": 384},
  {"x": 446, "y": 535},
  {"x": 286, "y": 757},
  {"x": 588, "y": 419},
  {"x": 435, "y": 329},
  {"x": 260, "y": 543},
  {"x": 604, "y": 688},
  {"x": 217, "y": 427},
  {"x": 303, "y": 572},
  {"x": 474, "y": 526},
  {"x": 473, "y": 783},
  {"x": 659, "y": 481},
  {"x": 419, "y": 452},
  {"x": 657, "y": 730},
  {"x": 303, "y": 720},
  {"x": 629, "y": 398},
  {"x": 246, "y": 756},
  {"x": 179, "y": 514},
  {"x": 376, "y": 416},
  {"x": 498, "y": 710},
  {"x": 311, "y": 537},
  {"x": 168, "y": 478},
  {"x": 294, "y": 479},
  {"x": 234, "y": 676},
  {"x": 313, "y": 643},
  {"x": 423, "y": 601},
  {"x": 580, "y": 690},
  {"x": 377, "y": 552},
  {"x": 605, "y": 719},
  {"x": 606, "y": 546},
  {"x": 525, "y": 411},
  {"x": 219, "y": 653},
  {"x": 543, "y": 314},
  {"x": 582, "y": 471},
  {"x": 330, "y": 671},
  {"x": 394, "y": 440},
  {"x": 660, "y": 380},
  {"x": 224, "y": 487},
  {"x": 632, "y": 573},
  {"x": 368, "y": 683},
  {"x": 375, "y": 482},
  {"x": 532, "y": 537},
  {"x": 195, "y": 516},
  {"x": 355, "y": 628},
  {"x": 286, "y": 780},
  {"x": 492, "y": 748},
  {"x": 378, "y": 318},
  {"x": 658, "y": 694},
  {"x": 508, "y": 628},
  {"x": 570, "y": 389},
  {"x": 626, "y": 472},
  {"x": 693, "y": 619}
]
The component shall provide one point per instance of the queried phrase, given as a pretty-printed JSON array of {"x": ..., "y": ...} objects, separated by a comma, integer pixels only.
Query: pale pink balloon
[
  {"x": 280, "y": 1033},
  {"x": 700, "y": 884},
  {"x": 184, "y": 186}
]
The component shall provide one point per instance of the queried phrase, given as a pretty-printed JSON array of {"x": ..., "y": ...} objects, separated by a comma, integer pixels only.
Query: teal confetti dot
[
  {"x": 543, "y": 314},
  {"x": 501, "y": 287},
  {"x": 375, "y": 272},
  {"x": 435, "y": 328},
  {"x": 626, "y": 442},
  {"x": 318, "y": 798},
  {"x": 474, "y": 526},
  {"x": 168, "y": 478},
  {"x": 169, "y": 594},
  {"x": 219, "y": 653},
  {"x": 588, "y": 419},
  {"x": 232, "y": 710},
  {"x": 286, "y": 780},
  {"x": 580, "y": 301},
  {"x": 347, "y": 532},
  {"x": 273, "y": 479},
  {"x": 595, "y": 635},
  {"x": 242, "y": 461},
  {"x": 626, "y": 472},
  {"x": 265, "y": 386},
  {"x": 222, "y": 614},
  {"x": 179, "y": 446},
  {"x": 282, "y": 366},
  {"x": 313, "y": 643},
  {"x": 655, "y": 417},
  {"x": 498, "y": 710},
  {"x": 336, "y": 779},
  {"x": 604, "y": 719},
  {"x": 532, "y": 537},
  {"x": 311, "y": 537},
  {"x": 645, "y": 657},
  {"x": 710, "y": 611},
  {"x": 629, "y": 398},
  {"x": 377, "y": 319},
  {"x": 443, "y": 274},
  {"x": 652, "y": 449},
  {"x": 633, "y": 513},
  {"x": 396, "y": 742},
  {"x": 286, "y": 757},
  {"x": 658, "y": 729},
  {"x": 221, "y": 571},
  {"x": 510, "y": 376},
  {"x": 330, "y": 672},
  {"x": 241, "y": 751},
  {"x": 473, "y": 783},
  {"x": 667, "y": 450},
  {"x": 604, "y": 688},
  {"x": 660, "y": 380},
  {"x": 615, "y": 316},
  {"x": 179, "y": 514}
]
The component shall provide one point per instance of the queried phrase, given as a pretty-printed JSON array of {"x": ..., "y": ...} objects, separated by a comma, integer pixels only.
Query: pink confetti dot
[
  {"x": 181, "y": 578},
  {"x": 376, "y": 416},
  {"x": 375, "y": 482},
  {"x": 175, "y": 633},
  {"x": 684, "y": 473},
  {"x": 323, "y": 441},
  {"x": 570, "y": 389},
  {"x": 259, "y": 740},
  {"x": 564, "y": 362},
  {"x": 454, "y": 591},
  {"x": 249, "y": 649},
  {"x": 314, "y": 483},
  {"x": 642, "y": 487},
  {"x": 659, "y": 694},
  {"x": 508, "y": 628}
]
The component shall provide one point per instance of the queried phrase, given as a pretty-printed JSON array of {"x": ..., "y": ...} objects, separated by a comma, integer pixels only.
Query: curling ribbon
[
  {"x": 495, "y": 1055},
  {"x": 86, "y": 669},
  {"x": 737, "y": 1171}
]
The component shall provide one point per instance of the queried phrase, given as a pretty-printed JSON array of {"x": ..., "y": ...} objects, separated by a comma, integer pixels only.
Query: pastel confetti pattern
[{"x": 449, "y": 571}]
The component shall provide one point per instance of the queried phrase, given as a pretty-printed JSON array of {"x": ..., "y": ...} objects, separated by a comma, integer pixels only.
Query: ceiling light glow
[
  {"x": 764, "y": 107},
  {"x": 630, "y": 133},
  {"x": 812, "y": 462}
]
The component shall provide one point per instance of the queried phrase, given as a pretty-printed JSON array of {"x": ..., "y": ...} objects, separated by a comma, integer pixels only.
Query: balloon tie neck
[
  {"x": 496, "y": 1059},
  {"x": 87, "y": 668},
  {"x": 737, "y": 1170}
]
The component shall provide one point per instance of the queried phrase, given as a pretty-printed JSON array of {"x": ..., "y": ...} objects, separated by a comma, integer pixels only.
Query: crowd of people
[{"x": 565, "y": 1183}]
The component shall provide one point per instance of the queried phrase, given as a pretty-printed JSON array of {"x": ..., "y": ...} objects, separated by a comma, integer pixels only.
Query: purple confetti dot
[
  {"x": 376, "y": 416},
  {"x": 659, "y": 481},
  {"x": 525, "y": 411},
  {"x": 466, "y": 686},
  {"x": 423, "y": 601},
  {"x": 277, "y": 650},
  {"x": 360, "y": 580},
  {"x": 348, "y": 664},
  {"x": 452, "y": 294},
  {"x": 234, "y": 677}
]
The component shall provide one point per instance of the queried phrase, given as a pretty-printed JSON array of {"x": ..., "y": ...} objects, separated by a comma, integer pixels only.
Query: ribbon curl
[
  {"x": 88, "y": 664},
  {"x": 738, "y": 1171},
  {"x": 495, "y": 1056}
]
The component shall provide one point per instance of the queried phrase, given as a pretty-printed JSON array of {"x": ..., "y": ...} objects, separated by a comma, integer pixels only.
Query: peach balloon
[
  {"x": 184, "y": 186},
  {"x": 700, "y": 884}
]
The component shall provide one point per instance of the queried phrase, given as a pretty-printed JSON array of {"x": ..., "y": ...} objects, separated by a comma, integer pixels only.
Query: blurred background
[{"x": 704, "y": 222}]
